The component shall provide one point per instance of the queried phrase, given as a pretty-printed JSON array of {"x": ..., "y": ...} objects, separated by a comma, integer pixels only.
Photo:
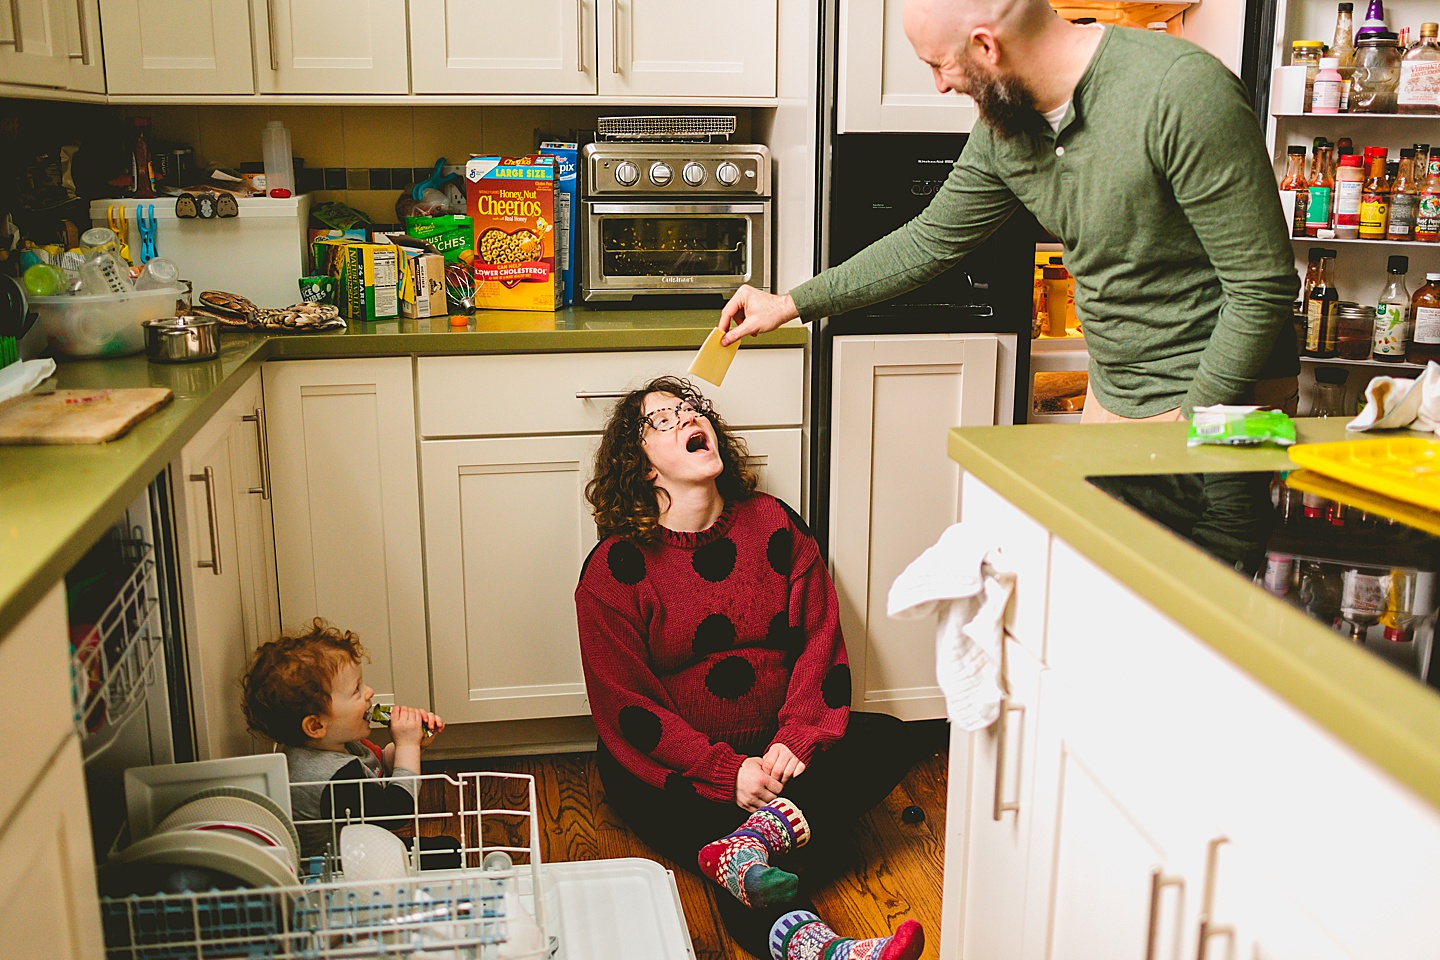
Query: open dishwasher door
[{"x": 620, "y": 909}]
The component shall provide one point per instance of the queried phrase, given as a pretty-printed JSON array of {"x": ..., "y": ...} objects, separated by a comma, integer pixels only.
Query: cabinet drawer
[
  {"x": 35, "y": 662},
  {"x": 519, "y": 394},
  {"x": 1026, "y": 546}
]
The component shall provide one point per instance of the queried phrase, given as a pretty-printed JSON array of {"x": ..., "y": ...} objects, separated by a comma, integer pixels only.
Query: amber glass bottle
[{"x": 1425, "y": 315}]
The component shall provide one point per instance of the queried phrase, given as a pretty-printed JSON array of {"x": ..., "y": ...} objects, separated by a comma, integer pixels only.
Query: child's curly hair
[
  {"x": 626, "y": 504},
  {"x": 289, "y": 679}
]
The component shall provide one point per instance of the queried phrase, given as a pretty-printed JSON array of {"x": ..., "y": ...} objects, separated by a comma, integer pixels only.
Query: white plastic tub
[{"x": 96, "y": 326}]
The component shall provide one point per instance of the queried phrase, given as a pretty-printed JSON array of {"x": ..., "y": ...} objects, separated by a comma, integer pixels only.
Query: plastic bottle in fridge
[
  {"x": 279, "y": 162},
  {"x": 1392, "y": 315}
]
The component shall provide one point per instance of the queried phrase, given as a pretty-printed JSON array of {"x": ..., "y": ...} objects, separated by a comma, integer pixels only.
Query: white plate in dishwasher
[
  {"x": 151, "y": 793},
  {"x": 621, "y": 909}
]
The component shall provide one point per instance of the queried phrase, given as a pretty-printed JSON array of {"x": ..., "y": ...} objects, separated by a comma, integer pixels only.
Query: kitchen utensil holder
[
  {"x": 113, "y": 664},
  {"x": 329, "y": 917}
]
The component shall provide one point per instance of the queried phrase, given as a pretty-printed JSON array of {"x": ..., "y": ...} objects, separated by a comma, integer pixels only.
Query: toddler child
[{"x": 308, "y": 694}]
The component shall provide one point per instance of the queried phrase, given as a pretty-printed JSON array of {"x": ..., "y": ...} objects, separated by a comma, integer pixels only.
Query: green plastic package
[
  {"x": 1239, "y": 426},
  {"x": 450, "y": 235}
]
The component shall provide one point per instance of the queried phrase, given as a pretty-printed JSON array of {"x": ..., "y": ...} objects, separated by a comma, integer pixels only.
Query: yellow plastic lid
[{"x": 1307, "y": 43}]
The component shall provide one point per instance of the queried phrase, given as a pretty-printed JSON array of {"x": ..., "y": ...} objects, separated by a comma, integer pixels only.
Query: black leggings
[{"x": 839, "y": 786}]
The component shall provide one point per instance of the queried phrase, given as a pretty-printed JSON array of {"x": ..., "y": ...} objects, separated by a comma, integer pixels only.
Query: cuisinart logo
[{"x": 677, "y": 279}]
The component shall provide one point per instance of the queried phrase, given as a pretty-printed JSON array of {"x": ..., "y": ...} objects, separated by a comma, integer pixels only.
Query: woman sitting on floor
[{"x": 718, "y": 679}]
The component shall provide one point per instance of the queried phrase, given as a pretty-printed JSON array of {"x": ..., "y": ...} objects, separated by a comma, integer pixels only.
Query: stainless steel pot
[{"x": 181, "y": 339}]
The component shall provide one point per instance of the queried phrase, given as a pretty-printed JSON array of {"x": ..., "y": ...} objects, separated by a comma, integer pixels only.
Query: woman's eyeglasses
[{"x": 668, "y": 418}]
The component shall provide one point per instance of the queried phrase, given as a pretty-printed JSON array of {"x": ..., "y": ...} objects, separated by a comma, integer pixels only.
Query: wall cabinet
[
  {"x": 661, "y": 48},
  {"x": 894, "y": 490},
  {"x": 226, "y": 557},
  {"x": 882, "y": 85},
  {"x": 35, "y": 42},
  {"x": 470, "y": 46},
  {"x": 347, "y": 510},
  {"x": 330, "y": 46},
  {"x": 507, "y": 526},
  {"x": 177, "y": 47},
  {"x": 1169, "y": 805}
]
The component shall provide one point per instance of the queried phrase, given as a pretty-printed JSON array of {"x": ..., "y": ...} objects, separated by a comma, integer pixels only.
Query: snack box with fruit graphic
[{"x": 512, "y": 204}]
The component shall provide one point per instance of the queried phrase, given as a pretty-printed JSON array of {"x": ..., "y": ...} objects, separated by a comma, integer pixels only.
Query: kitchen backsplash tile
[{"x": 378, "y": 136}]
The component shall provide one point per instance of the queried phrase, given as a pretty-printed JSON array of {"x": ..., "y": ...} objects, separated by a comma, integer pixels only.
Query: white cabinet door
[
  {"x": 775, "y": 456},
  {"x": 35, "y": 43},
  {"x": 47, "y": 887},
  {"x": 177, "y": 46},
  {"x": 494, "y": 46},
  {"x": 893, "y": 491},
  {"x": 87, "y": 63},
  {"x": 35, "y": 662},
  {"x": 664, "y": 48},
  {"x": 346, "y": 500},
  {"x": 330, "y": 46},
  {"x": 506, "y": 531},
  {"x": 882, "y": 85},
  {"x": 227, "y": 567}
]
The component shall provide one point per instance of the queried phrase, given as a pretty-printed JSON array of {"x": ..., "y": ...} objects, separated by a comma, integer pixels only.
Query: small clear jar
[
  {"x": 1306, "y": 53},
  {"x": 1377, "y": 74}
]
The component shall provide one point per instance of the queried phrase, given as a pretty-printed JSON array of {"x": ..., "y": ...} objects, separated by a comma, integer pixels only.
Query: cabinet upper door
[
  {"x": 177, "y": 46},
  {"x": 883, "y": 86},
  {"x": 35, "y": 43},
  {"x": 494, "y": 46},
  {"x": 87, "y": 65},
  {"x": 661, "y": 48},
  {"x": 330, "y": 46}
]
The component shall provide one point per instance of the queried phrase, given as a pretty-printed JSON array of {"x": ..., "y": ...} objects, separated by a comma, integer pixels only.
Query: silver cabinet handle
[
  {"x": 270, "y": 26},
  {"x": 17, "y": 43},
  {"x": 1208, "y": 927},
  {"x": 601, "y": 394},
  {"x": 208, "y": 478},
  {"x": 580, "y": 35},
  {"x": 262, "y": 450},
  {"x": 614, "y": 33},
  {"x": 84, "y": 55},
  {"x": 1002, "y": 806},
  {"x": 1158, "y": 883}
]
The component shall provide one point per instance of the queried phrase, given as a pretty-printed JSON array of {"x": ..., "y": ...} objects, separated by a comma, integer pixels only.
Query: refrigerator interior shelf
[
  {"x": 1128, "y": 12},
  {"x": 1378, "y": 243},
  {"x": 1347, "y": 116},
  {"x": 1378, "y": 365},
  {"x": 112, "y": 664}
]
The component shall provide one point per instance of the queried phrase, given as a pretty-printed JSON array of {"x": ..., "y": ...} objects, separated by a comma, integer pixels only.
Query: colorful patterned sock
[
  {"x": 800, "y": 935},
  {"x": 740, "y": 862}
]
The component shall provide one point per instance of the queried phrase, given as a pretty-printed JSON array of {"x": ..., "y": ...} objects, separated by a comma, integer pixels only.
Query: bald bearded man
[{"x": 1140, "y": 153}]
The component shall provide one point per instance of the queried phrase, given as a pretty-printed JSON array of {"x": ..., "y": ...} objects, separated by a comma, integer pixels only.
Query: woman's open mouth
[{"x": 697, "y": 442}]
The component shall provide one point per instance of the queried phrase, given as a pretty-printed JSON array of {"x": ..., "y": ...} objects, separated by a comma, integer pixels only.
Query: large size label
[
  {"x": 1392, "y": 329},
  {"x": 1427, "y": 325}
]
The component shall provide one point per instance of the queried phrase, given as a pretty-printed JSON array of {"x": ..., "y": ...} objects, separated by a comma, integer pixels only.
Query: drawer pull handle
[
  {"x": 1158, "y": 882},
  {"x": 84, "y": 55},
  {"x": 213, "y": 513},
  {"x": 1002, "y": 806},
  {"x": 1208, "y": 927},
  {"x": 580, "y": 34},
  {"x": 17, "y": 43},
  {"x": 270, "y": 29},
  {"x": 262, "y": 450},
  {"x": 614, "y": 36},
  {"x": 601, "y": 394}
]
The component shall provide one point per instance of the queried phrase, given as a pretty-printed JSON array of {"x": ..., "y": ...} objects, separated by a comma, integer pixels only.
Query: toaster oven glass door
[{"x": 643, "y": 248}]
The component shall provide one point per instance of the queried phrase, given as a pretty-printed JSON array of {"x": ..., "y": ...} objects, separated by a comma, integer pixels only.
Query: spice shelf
[
  {"x": 1348, "y": 116},
  {"x": 1374, "y": 364},
  {"x": 1373, "y": 243}
]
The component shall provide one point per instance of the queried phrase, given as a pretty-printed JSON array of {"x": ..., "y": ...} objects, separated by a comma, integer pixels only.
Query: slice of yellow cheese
[{"x": 713, "y": 360}]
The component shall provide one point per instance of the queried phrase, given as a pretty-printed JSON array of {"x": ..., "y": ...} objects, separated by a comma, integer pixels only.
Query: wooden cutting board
[{"x": 78, "y": 416}]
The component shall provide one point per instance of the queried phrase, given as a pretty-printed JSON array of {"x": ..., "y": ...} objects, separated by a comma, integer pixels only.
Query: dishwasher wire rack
[
  {"x": 470, "y": 912},
  {"x": 113, "y": 664}
]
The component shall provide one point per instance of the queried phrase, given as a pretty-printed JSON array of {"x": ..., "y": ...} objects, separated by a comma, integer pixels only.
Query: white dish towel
[{"x": 967, "y": 583}]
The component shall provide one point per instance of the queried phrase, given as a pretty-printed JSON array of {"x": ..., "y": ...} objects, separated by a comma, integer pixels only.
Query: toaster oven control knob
[
  {"x": 694, "y": 174},
  {"x": 661, "y": 174},
  {"x": 727, "y": 173},
  {"x": 627, "y": 174}
]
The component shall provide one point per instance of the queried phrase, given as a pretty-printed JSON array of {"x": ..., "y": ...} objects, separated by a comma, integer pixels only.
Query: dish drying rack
[
  {"x": 451, "y": 913},
  {"x": 113, "y": 664}
]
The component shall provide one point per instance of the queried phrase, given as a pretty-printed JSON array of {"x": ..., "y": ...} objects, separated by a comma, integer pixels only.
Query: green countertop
[
  {"x": 55, "y": 501},
  {"x": 1386, "y": 716}
]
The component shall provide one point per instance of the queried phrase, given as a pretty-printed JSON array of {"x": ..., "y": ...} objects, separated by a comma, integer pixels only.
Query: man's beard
[{"x": 1003, "y": 101}]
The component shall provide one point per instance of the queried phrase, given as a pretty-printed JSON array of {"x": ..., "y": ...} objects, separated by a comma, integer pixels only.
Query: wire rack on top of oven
[
  {"x": 691, "y": 129},
  {"x": 482, "y": 898},
  {"x": 112, "y": 664}
]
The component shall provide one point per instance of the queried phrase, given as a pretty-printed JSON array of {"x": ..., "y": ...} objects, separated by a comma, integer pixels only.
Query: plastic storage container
[
  {"x": 95, "y": 326},
  {"x": 260, "y": 254},
  {"x": 279, "y": 164}
]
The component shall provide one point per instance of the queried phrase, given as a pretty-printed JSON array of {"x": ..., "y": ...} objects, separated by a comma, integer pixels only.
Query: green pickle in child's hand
[{"x": 380, "y": 716}]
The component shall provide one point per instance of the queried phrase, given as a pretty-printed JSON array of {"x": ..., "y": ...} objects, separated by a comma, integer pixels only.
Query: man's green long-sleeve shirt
[{"x": 1159, "y": 187}]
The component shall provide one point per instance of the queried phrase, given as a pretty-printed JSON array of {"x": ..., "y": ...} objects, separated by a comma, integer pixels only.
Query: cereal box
[
  {"x": 567, "y": 210},
  {"x": 422, "y": 284},
  {"x": 512, "y": 202}
]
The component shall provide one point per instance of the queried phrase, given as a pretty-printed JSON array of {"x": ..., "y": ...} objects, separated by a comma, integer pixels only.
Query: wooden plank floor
[{"x": 896, "y": 872}]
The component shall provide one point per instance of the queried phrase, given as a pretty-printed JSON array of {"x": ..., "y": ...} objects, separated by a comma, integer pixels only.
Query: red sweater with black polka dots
[{"x": 704, "y": 648}]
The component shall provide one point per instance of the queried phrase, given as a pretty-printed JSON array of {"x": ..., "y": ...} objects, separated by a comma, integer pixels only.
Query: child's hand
[
  {"x": 407, "y": 726},
  {"x": 433, "y": 725}
]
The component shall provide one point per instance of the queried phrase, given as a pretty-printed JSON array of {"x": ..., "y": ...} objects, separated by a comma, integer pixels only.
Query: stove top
[{"x": 1368, "y": 574}]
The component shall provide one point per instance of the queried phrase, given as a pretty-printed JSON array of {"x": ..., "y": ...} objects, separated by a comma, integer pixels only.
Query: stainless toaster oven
[{"x": 668, "y": 218}]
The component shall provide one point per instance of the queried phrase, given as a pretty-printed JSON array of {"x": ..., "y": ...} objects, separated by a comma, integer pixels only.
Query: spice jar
[
  {"x": 1306, "y": 53},
  {"x": 1377, "y": 74}
]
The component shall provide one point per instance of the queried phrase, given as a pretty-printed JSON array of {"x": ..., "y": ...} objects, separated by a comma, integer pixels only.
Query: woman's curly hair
[
  {"x": 626, "y": 503},
  {"x": 289, "y": 679}
]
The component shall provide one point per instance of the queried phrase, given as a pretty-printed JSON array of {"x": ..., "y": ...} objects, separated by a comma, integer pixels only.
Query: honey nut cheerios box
[{"x": 512, "y": 203}]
